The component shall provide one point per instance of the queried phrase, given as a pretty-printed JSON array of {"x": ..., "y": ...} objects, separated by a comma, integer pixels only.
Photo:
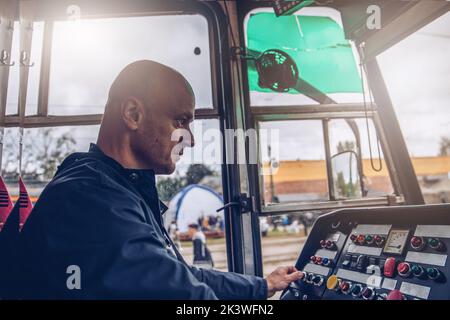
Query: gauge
[{"x": 396, "y": 241}]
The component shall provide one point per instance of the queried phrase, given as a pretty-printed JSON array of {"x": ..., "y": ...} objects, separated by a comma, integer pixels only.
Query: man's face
[{"x": 165, "y": 131}]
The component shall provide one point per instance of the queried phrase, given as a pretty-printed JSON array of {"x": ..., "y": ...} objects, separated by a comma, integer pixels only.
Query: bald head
[
  {"x": 146, "y": 103},
  {"x": 148, "y": 81}
]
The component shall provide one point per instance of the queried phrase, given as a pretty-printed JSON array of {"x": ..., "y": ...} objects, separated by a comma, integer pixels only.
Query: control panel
[{"x": 389, "y": 253}]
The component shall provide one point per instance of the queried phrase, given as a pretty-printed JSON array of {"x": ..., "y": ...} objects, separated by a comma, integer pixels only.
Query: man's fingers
[
  {"x": 294, "y": 276},
  {"x": 291, "y": 269}
]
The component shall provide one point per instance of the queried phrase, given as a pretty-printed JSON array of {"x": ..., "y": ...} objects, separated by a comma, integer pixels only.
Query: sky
[{"x": 87, "y": 55}]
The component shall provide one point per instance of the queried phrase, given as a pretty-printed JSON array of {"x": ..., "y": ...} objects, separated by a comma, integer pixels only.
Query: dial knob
[
  {"x": 395, "y": 295},
  {"x": 313, "y": 259},
  {"x": 345, "y": 287},
  {"x": 368, "y": 294},
  {"x": 417, "y": 243},
  {"x": 356, "y": 290},
  {"x": 318, "y": 260},
  {"x": 404, "y": 269},
  {"x": 417, "y": 271},
  {"x": 323, "y": 243},
  {"x": 353, "y": 237},
  {"x": 326, "y": 262}
]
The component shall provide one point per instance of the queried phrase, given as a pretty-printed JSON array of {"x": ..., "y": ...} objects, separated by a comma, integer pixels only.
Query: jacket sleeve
[
  {"x": 105, "y": 233},
  {"x": 232, "y": 286}
]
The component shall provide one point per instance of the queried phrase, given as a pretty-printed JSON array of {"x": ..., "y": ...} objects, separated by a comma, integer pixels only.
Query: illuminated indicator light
[
  {"x": 361, "y": 238},
  {"x": 369, "y": 239},
  {"x": 435, "y": 244},
  {"x": 417, "y": 243},
  {"x": 345, "y": 287},
  {"x": 433, "y": 273},
  {"x": 333, "y": 283},
  {"x": 356, "y": 290},
  {"x": 379, "y": 240},
  {"x": 368, "y": 293},
  {"x": 417, "y": 271}
]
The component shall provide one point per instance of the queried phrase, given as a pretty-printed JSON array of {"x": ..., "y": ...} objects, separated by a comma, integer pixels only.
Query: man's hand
[{"x": 280, "y": 279}]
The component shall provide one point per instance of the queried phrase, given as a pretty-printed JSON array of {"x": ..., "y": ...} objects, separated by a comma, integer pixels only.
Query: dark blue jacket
[{"x": 107, "y": 220}]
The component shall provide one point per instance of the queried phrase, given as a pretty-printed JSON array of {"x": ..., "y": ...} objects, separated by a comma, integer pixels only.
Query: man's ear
[{"x": 132, "y": 112}]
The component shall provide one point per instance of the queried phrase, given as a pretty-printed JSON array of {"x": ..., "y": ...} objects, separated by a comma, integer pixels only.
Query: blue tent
[{"x": 190, "y": 204}]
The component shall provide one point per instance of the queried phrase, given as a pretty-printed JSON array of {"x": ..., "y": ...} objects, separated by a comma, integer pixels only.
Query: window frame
[
  {"x": 321, "y": 111},
  {"x": 332, "y": 112},
  {"x": 51, "y": 11}
]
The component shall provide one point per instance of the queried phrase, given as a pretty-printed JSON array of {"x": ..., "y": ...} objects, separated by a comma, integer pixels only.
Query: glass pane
[
  {"x": 194, "y": 192},
  {"x": 295, "y": 170},
  {"x": 12, "y": 103},
  {"x": 88, "y": 54},
  {"x": 375, "y": 182},
  {"x": 10, "y": 160},
  {"x": 314, "y": 39},
  {"x": 282, "y": 239},
  {"x": 12, "y": 98},
  {"x": 416, "y": 73}
]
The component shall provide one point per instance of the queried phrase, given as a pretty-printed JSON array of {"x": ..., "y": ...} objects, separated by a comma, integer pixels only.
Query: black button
[{"x": 134, "y": 176}]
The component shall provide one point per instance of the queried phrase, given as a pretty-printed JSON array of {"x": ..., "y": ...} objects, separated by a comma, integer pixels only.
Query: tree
[
  {"x": 168, "y": 187},
  {"x": 43, "y": 150},
  {"x": 196, "y": 172},
  {"x": 444, "y": 149}
]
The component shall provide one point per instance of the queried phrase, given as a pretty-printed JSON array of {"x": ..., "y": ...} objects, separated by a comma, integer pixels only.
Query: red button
[
  {"x": 379, "y": 240},
  {"x": 395, "y": 295},
  {"x": 361, "y": 238},
  {"x": 404, "y": 269},
  {"x": 318, "y": 260},
  {"x": 323, "y": 243},
  {"x": 313, "y": 259},
  {"x": 389, "y": 267},
  {"x": 417, "y": 243}
]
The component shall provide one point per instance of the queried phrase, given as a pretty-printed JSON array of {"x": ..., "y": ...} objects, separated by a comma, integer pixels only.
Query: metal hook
[
  {"x": 23, "y": 59},
  {"x": 4, "y": 56}
]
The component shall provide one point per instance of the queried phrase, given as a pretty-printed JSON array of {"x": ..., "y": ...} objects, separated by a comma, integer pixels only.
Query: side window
[
  {"x": 420, "y": 95},
  {"x": 295, "y": 168},
  {"x": 198, "y": 176},
  {"x": 365, "y": 157},
  {"x": 87, "y": 55}
]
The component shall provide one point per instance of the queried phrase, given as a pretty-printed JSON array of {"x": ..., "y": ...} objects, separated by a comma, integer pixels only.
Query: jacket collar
[{"x": 142, "y": 178}]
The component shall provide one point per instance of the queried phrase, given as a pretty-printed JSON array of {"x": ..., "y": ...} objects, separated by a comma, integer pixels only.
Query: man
[{"x": 96, "y": 231}]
